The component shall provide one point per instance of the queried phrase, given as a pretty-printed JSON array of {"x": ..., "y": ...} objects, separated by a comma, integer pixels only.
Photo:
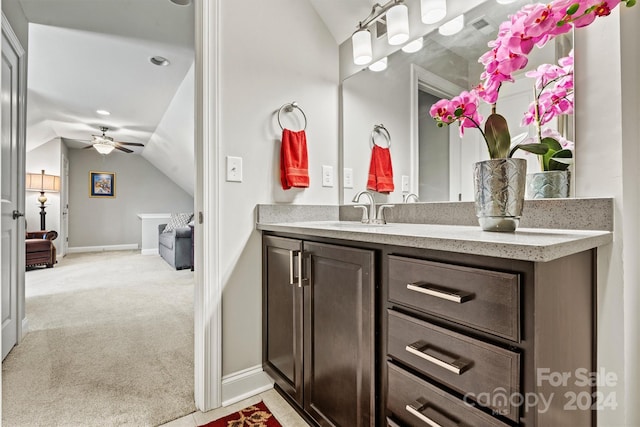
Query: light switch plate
[
  {"x": 348, "y": 178},
  {"x": 234, "y": 169},
  {"x": 405, "y": 183},
  {"x": 327, "y": 176}
]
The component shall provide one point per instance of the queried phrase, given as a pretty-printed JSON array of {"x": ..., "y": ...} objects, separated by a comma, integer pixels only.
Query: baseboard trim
[
  {"x": 244, "y": 384},
  {"x": 125, "y": 247},
  {"x": 152, "y": 251}
]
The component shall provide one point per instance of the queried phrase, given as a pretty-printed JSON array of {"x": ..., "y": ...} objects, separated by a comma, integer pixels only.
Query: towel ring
[
  {"x": 287, "y": 108},
  {"x": 380, "y": 130}
]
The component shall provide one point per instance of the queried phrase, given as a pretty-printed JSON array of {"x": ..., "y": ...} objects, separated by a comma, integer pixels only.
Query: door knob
[{"x": 17, "y": 214}]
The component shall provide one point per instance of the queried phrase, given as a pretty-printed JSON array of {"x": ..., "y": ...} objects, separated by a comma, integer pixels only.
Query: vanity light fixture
[
  {"x": 414, "y": 46},
  {"x": 379, "y": 65},
  {"x": 397, "y": 21},
  {"x": 103, "y": 112},
  {"x": 433, "y": 11},
  {"x": 452, "y": 27},
  {"x": 505, "y": 1}
]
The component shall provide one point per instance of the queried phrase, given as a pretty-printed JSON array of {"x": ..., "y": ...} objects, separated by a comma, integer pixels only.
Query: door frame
[{"x": 208, "y": 283}]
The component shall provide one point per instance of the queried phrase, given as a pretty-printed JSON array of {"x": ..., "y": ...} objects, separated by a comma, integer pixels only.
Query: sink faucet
[
  {"x": 406, "y": 197},
  {"x": 369, "y": 215}
]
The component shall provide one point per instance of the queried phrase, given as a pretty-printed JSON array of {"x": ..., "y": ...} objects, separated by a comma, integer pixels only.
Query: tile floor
[{"x": 285, "y": 414}]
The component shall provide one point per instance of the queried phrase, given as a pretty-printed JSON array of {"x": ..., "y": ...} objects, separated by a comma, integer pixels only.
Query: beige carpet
[{"x": 110, "y": 343}]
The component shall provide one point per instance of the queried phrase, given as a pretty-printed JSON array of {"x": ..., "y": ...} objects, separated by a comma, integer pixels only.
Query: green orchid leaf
[
  {"x": 552, "y": 143},
  {"x": 560, "y": 160},
  {"x": 631, "y": 3},
  {"x": 539, "y": 149},
  {"x": 497, "y": 135}
]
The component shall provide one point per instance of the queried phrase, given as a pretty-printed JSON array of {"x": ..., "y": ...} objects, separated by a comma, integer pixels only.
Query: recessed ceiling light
[
  {"x": 181, "y": 2},
  {"x": 103, "y": 112},
  {"x": 159, "y": 61}
]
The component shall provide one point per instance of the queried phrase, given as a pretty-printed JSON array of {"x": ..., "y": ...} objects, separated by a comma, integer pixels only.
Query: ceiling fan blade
[
  {"x": 136, "y": 144},
  {"x": 126, "y": 150}
]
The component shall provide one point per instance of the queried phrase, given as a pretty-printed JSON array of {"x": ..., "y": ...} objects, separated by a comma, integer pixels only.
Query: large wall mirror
[{"x": 435, "y": 163}]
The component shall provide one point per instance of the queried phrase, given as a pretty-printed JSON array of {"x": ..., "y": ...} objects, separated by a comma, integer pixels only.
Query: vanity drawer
[
  {"x": 482, "y": 299},
  {"x": 472, "y": 367},
  {"x": 415, "y": 402}
]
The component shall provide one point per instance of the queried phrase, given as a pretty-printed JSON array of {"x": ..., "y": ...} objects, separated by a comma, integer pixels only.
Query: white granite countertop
[{"x": 527, "y": 244}]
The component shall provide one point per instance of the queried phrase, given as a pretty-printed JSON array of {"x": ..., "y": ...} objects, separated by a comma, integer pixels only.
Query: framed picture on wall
[{"x": 102, "y": 184}]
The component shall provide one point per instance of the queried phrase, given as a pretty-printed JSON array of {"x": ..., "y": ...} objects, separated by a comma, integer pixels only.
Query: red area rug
[{"x": 257, "y": 415}]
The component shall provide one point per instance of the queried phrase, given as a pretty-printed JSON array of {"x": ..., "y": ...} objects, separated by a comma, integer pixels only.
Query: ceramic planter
[
  {"x": 548, "y": 184},
  {"x": 499, "y": 193}
]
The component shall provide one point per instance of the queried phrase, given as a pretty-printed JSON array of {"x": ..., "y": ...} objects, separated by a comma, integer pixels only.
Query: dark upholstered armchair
[{"x": 40, "y": 249}]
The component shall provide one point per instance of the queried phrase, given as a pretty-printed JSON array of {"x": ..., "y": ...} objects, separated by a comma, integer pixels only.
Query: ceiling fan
[{"x": 105, "y": 144}]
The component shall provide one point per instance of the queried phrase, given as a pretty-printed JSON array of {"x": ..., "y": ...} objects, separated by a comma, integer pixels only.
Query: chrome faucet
[
  {"x": 406, "y": 197},
  {"x": 369, "y": 214}
]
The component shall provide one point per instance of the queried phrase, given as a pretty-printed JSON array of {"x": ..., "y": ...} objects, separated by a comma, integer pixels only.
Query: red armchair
[{"x": 40, "y": 249}]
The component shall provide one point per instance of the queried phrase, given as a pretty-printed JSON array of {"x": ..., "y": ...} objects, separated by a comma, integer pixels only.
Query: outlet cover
[
  {"x": 348, "y": 178},
  {"x": 327, "y": 176},
  {"x": 405, "y": 183},
  {"x": 234, "y": 169}
]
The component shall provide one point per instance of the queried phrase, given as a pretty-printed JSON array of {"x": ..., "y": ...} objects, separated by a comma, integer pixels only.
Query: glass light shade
[
  {"x": 361, "y": 41},
  {"x": 103, "y": 148},
  {"x": 433, "y": 11},
  {"x": 398, "y": 24},
  {"x": 42, "y": 182},
  {"x": 506, "y": 1},
  {"x": 414, "y": 46},
  {"x": 379, "y": 65},
  {"x": 452, "y": 27}
]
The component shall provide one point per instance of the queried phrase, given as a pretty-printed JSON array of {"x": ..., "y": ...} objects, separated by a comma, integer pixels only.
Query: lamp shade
[
  {"x": 380, "y": 65},
  {"x": 452, "y": 27},
  {"x": 414, "y": 46},
  {"x": 42, "y": 182},
  {"x": 361, "y": 41},
  {"x": 433, "y": 11},
  {"x": 398, "y": 24}
]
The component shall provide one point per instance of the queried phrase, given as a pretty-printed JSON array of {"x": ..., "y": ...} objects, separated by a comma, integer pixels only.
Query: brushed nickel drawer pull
[
  {"x": 428, "y": 289},
  {"x": 455, "y": 366},
  {"x": 292, "y": 277},
  {"x": 416, "y": 412}
]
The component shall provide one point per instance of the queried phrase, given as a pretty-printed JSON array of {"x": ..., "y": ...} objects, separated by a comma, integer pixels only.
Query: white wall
[
  {"x": 279, "y": 52},
  {"x": 171, "y": 148},
  {"x": 139, "y": 188},
  {"x": 47, "y": 157},
  {"x": 607, "y": 158}
]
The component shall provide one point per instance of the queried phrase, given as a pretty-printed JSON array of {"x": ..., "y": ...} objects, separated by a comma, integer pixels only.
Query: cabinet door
[
  {"x": 282, "y": 315},
  {"x": 339, "y": 335}
]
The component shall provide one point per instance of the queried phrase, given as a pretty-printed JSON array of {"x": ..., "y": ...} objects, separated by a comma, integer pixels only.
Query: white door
[{"x": 11, "y": 182}]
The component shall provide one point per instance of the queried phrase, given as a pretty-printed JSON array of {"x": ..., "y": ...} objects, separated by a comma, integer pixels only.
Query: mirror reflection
[{"x": 431, "y": 162}]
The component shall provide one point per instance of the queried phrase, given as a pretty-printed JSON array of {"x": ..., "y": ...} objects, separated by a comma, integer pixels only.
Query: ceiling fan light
[
  {"x": 361, "y": 41},
  {"x": 452, "y": 27},
  {"x": 398, "y": 24},
  {"x": 433, "y": 11},
  {"x": 103, "y": 147}
]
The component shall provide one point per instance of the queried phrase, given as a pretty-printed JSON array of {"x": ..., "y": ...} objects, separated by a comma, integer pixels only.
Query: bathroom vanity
[{"x": 427, "y": 325}]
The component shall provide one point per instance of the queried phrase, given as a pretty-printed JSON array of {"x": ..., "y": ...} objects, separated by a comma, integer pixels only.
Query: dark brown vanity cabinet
[
  {"x": 319, "y": 328},
  {"x": 478, "y": 341}
]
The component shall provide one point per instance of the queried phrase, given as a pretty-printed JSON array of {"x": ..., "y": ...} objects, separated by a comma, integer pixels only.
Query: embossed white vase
[{"x": 499, "y": 193}]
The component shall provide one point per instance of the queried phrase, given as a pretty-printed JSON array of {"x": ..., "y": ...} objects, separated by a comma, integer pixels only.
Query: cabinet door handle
[
  {"x": 418, "y": 349},
  {"x": 293, "y": 279},
  {"x": 416, "y": 412},
  {"x": 428, "y": 289}
]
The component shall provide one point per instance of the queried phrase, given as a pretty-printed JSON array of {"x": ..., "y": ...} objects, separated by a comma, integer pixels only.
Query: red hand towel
[
  {"x": 294, "y": 163},
  {"x": 380, "y": 171}
]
